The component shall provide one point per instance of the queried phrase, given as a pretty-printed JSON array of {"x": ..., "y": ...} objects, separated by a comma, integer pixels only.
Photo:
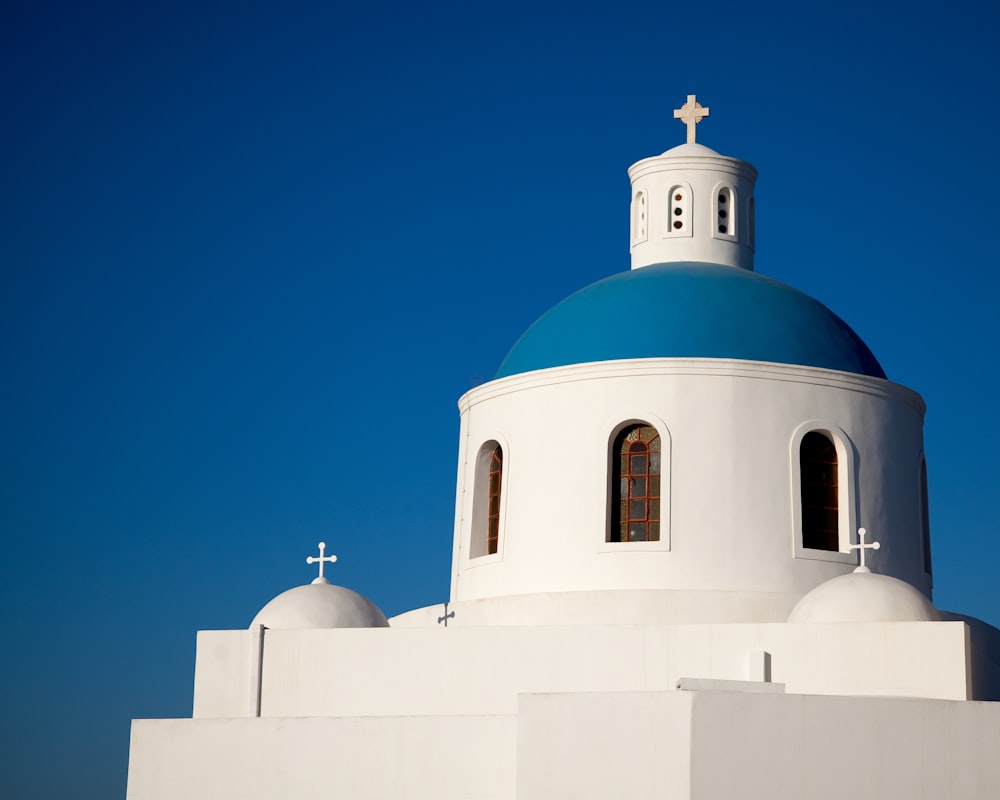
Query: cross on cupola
[
  {"x": 691, "y": 113},
  {"x": 321, "y": 560},
  {"x": 862, "y": 547}
]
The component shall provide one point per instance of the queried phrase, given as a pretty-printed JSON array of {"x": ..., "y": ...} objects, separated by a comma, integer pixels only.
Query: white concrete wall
[
  {"x": 417, "y": 758},
  {"x": 711, "y": 745},
  {"x": 731, "y": 428},
  {"x": 638, "y": 607},
  {"x": 456, "y": 670},
  {"x": 623, "y": 745},
  {"x": 576, "y": 746},
  {"x": 226, "y": 673},
  {"x": 826, "y": 748}
]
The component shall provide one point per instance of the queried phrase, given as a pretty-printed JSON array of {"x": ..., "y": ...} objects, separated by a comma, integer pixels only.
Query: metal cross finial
[
  {"x": 447, "y": 615},
  {"x": 861, "y": 546},
  {"x": 690, "y": 114},
  {"x": 321, "y": 560}
]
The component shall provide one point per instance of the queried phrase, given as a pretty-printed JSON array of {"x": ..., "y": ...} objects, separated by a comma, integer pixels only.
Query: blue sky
[{"x": 251, "y": 256}]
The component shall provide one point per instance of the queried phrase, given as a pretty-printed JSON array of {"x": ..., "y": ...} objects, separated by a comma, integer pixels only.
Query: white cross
[
  {"x": 862, "y": 533},
  {"x": 690, "y": 114},
  {"x": 320, "y": 561}
]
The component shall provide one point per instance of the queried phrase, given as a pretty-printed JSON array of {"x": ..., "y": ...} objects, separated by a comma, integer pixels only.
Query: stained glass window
[{"x": 635, "y": 505}]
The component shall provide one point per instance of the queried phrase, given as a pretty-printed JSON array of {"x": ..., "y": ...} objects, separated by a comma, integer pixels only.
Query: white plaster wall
[
  {"x": 623, "y": 745},
  {"x": 703, "y": 171},
  {"x": 669, "y": 744},
  {"x": 710, "y": 745},
  {"x": 609, "y": 607},
  {"x": 226, "y": 673},
  {"x": 456, "y": 670},
  {"x": 826, "y": 748},
  {"x": 730, "y": 426},
  {"x": 416, "y": 758}
]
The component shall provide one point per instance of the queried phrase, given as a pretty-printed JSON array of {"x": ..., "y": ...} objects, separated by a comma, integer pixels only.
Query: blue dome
[{"x": 689, "y": 310}]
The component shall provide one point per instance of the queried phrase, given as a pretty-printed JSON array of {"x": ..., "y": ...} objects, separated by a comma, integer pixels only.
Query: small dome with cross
[
  {"x": 320, "y": 604},
  {"x": 864, "y": 597}
]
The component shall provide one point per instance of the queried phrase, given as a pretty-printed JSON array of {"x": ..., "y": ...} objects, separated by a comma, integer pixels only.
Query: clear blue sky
[{"x": 251, "y": 255}]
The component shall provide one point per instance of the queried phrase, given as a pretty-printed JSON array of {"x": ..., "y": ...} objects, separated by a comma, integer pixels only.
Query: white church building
[{"x": 661, "y": 584}]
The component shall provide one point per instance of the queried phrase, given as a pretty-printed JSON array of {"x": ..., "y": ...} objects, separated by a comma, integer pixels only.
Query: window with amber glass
[
  {"x": 635, "y": 503},
  {"x": 820, "y": 492},
  {"x": 493, "y": 517}
]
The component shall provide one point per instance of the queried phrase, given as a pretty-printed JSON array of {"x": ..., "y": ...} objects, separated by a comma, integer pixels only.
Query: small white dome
[
  {"x": 690, "y": 149},
  {"x": 864, "y": 597},
  {"x": 320, "y": 605}
]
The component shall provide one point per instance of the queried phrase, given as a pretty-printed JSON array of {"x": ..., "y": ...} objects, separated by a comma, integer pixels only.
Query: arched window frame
[
  {"x": 925, "y": 522},
  {"x": 479, "y": 540},
  {"x": 616, "y": 427},
  {"x": 686, "y": 208},
  {"x": 731, "y": 208},
  {"x": 640, "y": 217},
  {"x": 847, "y": 514}
]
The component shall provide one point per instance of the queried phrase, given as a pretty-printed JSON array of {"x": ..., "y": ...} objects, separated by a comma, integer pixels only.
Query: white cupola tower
[{"x": 692, "y": 204}]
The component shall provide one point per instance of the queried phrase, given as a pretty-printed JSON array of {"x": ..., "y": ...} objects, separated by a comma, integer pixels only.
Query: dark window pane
[
  {"x": 925, "y": 518},
  {"x": 637, "y": 509},
  {"x": 819, "y": 492},
  {"x": 638, "y": 487},
  {"x": 637, "y": 532},
  {"x": 638, "y": 464}
]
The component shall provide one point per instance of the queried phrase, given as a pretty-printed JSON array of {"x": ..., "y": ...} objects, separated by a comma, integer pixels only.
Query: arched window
[
  {"x": 635, "y": 485},
  {"x": 639, "y": 218},
  {"x": 820, "y": 498},
  {"x": 679, "y": 218},
  {"x": 493, "y": 515},
  {"x": 925, "y": 519},
  {"x": 486, "y": 503},
  {"x": 725, "y": 213}
]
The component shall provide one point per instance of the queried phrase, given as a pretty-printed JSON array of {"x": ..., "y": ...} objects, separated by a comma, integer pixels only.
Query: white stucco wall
[
  {"x": 829, "y": 748},
  {"x": 730, "y": 497},
  {"x": 709, "y": 745},
  {"x": 620, "y": 745},
  {"x": 476, "y": 670},
  {"x": 642, "y": 745},
  {"x": 416, "y": 758}
]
